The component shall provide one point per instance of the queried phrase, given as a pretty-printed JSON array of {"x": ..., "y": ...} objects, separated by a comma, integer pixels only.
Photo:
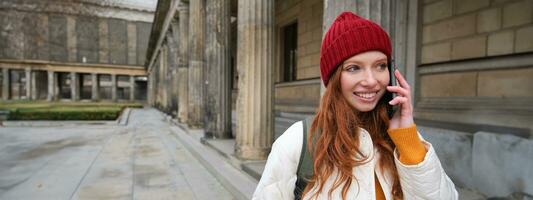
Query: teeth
[{"x": 366, "y": 95}]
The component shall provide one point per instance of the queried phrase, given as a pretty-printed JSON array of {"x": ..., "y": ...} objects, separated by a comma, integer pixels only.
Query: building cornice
[
  {"x": 80, "y": 8},
  {"x": 164, "y": 14},
  {"x": 73, "y": 67}
]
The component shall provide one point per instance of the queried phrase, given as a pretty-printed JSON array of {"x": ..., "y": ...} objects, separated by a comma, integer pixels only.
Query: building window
[{"x": 289, "y": 52}]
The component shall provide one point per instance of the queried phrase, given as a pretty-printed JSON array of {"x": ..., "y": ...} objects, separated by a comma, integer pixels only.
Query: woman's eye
[
  {"x": 382, "y": 66},
  {"x": 352, "y": 68}
]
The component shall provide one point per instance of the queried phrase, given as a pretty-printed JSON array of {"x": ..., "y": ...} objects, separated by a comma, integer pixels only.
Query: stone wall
[
  {"x": 301, "y": 97},
  {"x": 475, "y": 91},
  {"x": 118, "y": 40},
  {"x": 476, "y": 63},
  {"x": 496, "y": 165},
  {"x": 489, "y": 83},
  {"x": 456, "y": 29},
  {"x": 308, "y": 15},
  {"x": 71, "y": 37},
  {"x": 143, "y": 35}
]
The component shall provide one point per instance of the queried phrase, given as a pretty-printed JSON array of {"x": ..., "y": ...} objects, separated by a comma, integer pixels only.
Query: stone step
[
  {"x": 278, "y": 132},
  {"x": 283, "y": 122},
  {"x": 217, "y": 157},
  {"x": 296, "y": 116}
]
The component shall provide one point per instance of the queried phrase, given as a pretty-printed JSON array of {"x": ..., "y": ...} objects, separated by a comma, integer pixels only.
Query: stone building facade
[
  {"x": 75, "y": 50},
  {"x": 249, "y": 69}
]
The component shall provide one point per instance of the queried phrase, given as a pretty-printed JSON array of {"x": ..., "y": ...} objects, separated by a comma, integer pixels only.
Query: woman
[{"x": 360, "y": 149}]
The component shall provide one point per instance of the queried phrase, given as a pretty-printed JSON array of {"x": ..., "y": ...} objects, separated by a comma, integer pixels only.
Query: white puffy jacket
[{"x": 426, "y": 180}]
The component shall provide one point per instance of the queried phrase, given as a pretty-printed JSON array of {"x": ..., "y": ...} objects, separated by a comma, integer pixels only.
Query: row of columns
[
  {"x": 203, "y": 73},
  {"x": 53, "y": 87}
]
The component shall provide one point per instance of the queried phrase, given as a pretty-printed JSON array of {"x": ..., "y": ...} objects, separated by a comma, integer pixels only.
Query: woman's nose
[{"x": 369, "y": 79}]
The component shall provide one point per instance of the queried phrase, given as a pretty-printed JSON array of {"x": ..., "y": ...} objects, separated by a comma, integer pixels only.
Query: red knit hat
[{"x": 350, "y": 35}]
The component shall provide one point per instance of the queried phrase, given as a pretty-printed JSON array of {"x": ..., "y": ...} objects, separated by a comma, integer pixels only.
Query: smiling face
[{"x": 364, "y": 79}]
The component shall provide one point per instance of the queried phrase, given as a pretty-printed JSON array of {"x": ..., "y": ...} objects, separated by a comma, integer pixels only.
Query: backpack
[{"x": 305, "y": 167}]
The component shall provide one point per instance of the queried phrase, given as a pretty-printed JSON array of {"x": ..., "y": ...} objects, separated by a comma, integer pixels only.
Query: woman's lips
[{"x": 366, "y": 96}]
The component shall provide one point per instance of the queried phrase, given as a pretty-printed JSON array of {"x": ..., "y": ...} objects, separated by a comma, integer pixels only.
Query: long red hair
[{"x": 337, "y": 146}]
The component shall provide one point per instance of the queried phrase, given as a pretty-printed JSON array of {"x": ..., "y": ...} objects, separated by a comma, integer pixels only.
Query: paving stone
[{"x": 139, "y": 161}]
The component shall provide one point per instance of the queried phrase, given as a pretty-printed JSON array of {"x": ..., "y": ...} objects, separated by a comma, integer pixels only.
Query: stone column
[
  {"x": 28, "y": 83},
  {"x": 150, "y": 91},
  {"x": 51, "y": 86},
  {"x": 379, "y": 11},
  {"x": 183, "y": 63},
  {"x": 56, "y": 86},
  {"x": 255, "y": 59},
  {"x": 5, "y": 83},
  {"x": 159, "y": 79},
  {"x": 163, "y": 78},
  {"x": 404, "y": 28},
  {"x": 155, "y": 89},
  {"x": 172, "y": 63},
  {"x": 132, "y": 88},
  {"x": 94, "y": 87},
  {"x": 217, "y": 53},
  {"x": 74, "y": 86},
  {"x": 196, "y": 64},
  {"x": 114, "y": 87},
  {"x": 34, "y": 90}
]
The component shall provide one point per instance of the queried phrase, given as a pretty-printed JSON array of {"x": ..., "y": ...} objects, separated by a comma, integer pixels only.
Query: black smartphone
[{"x": 393, "y": 82}]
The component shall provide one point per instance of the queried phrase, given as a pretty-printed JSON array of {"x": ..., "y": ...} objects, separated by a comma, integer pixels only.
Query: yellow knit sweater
[{"x": 410, "y": 148}]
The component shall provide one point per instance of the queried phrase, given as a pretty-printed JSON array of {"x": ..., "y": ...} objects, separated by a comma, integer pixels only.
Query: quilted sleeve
[
  {"x": 427, "y": 179},
  {"x": 279, "y": 177}
]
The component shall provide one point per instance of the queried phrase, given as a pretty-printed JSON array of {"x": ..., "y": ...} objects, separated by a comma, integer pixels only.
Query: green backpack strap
[{"x": 305, "y": 166}]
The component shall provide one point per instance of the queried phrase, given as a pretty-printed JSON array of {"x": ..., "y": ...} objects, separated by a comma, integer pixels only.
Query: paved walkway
[{"x": 142, "y": 160}]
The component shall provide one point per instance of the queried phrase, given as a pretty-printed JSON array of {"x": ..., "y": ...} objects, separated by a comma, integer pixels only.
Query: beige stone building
[
  {"x": 74, "y": 50},
  {"x": 245, "y": 70},
  {"x": 255, "y": 64}
]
